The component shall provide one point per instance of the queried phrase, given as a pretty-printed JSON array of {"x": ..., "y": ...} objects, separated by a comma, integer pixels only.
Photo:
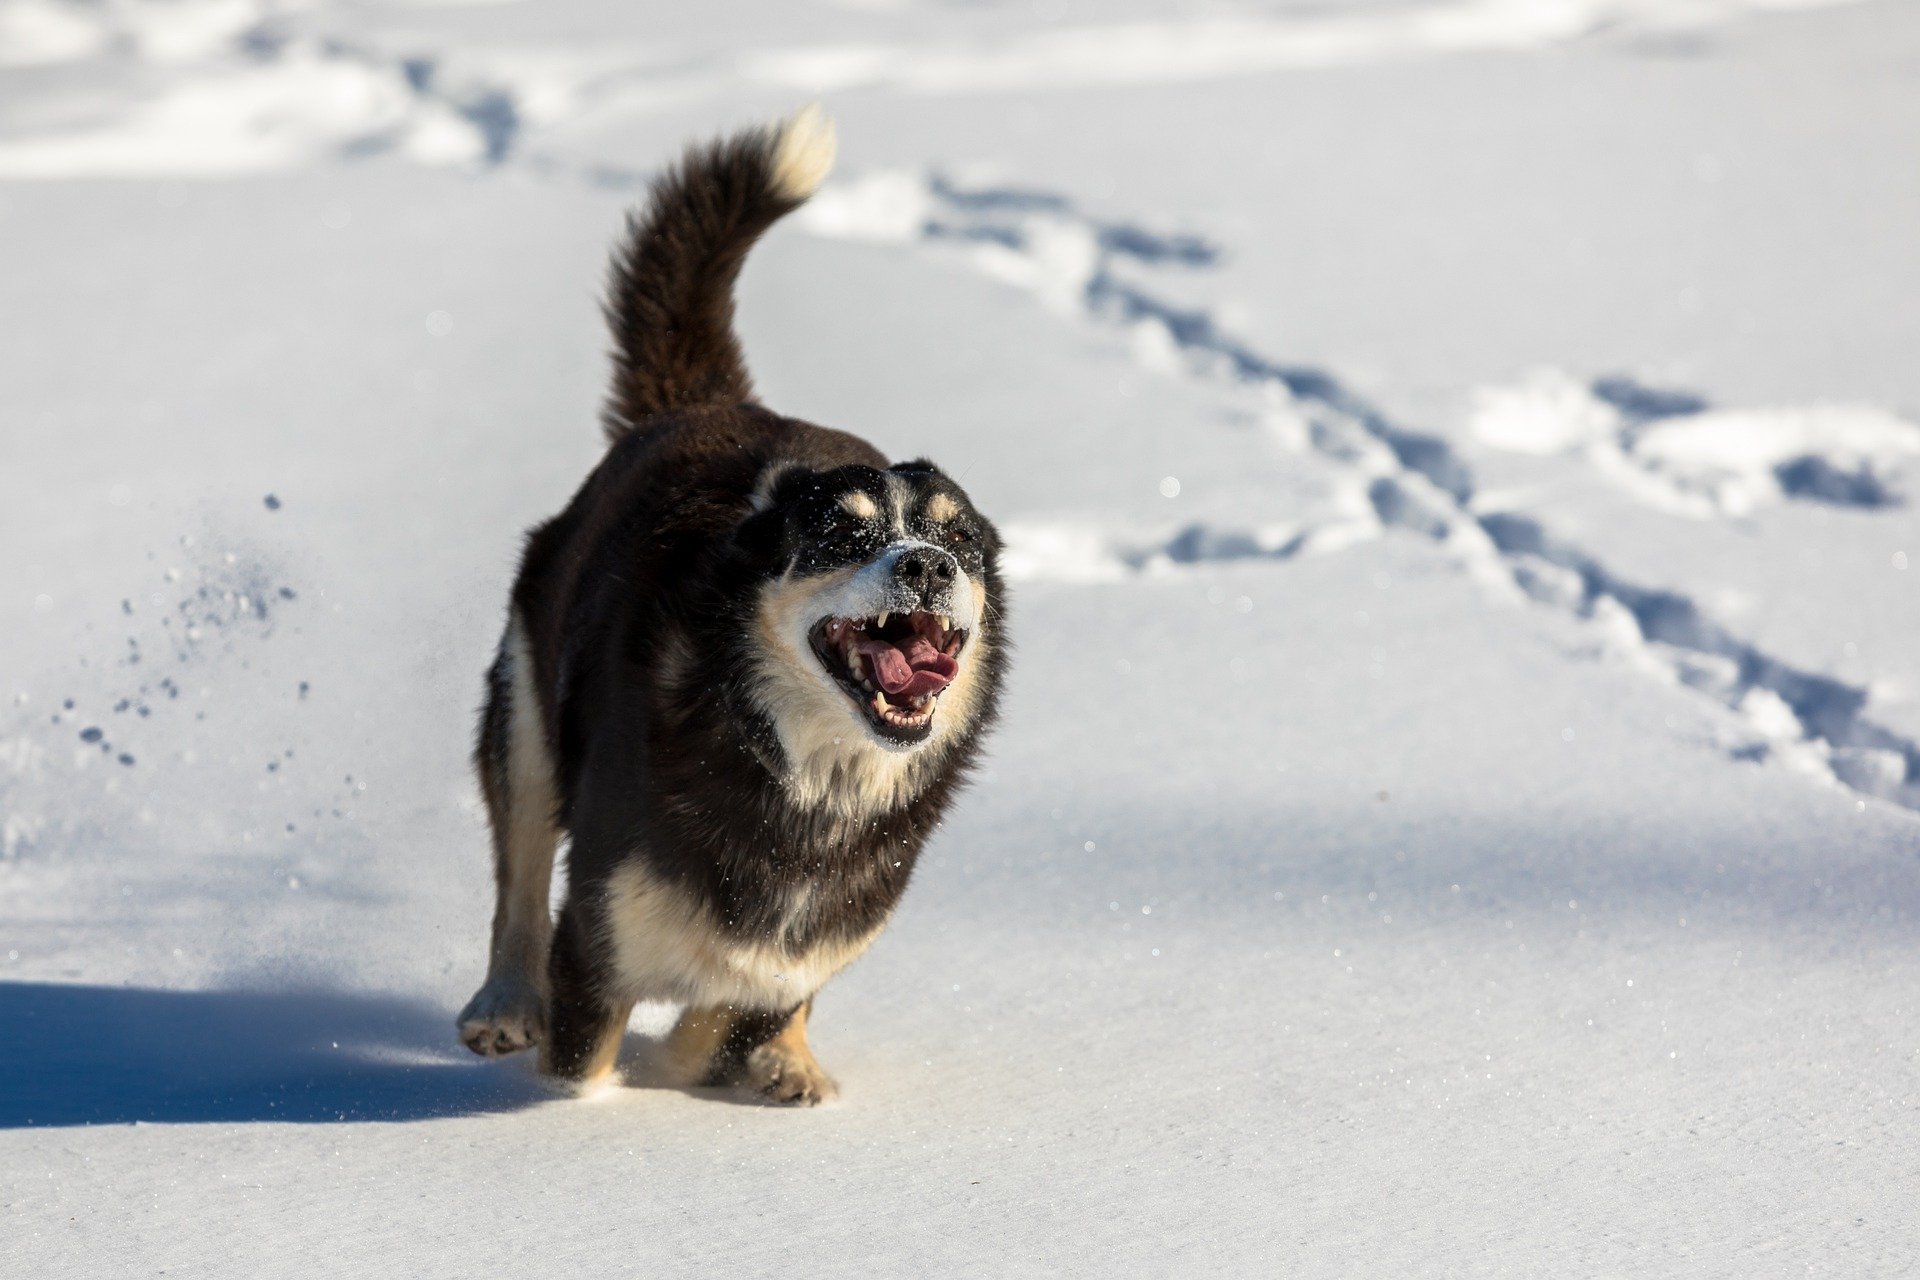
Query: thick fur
[
  {"x": 670, "y": 299},
  {"x": 741, "y": 826}
]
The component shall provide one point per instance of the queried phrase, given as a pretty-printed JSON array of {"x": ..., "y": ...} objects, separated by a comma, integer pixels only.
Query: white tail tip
[{"x": 803, "y": 153}]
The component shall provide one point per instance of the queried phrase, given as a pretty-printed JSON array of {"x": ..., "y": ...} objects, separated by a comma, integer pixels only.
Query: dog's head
[{"x": 875, "y": 615}]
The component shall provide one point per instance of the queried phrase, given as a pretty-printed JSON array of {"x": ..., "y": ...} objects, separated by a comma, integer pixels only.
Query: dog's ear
[
  {"x": 763, "y": 528},
  {"x": 776, "y": 484},
  {"x": 917, "y": 467}
]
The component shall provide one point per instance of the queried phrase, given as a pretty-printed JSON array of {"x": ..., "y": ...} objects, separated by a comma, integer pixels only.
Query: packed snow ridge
[
  {"x": 210, "y": 87},
  {"x": 1187, "y": 50},
  {"x": 207, "y": 87},
  {"x": 1676, "y": 452}
]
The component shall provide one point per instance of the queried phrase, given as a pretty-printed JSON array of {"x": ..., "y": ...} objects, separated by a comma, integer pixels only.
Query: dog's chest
[{"x": 791, "y": 935}]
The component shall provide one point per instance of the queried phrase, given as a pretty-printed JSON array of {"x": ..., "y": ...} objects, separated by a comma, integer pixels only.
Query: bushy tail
[{"x": 670, "y": 300}]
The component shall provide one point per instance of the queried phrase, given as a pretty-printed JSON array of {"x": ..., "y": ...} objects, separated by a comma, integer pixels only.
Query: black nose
[{"x": 926, "y": 568}]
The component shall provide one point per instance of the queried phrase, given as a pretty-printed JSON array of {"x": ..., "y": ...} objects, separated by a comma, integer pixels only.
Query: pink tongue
[{"x": 911, "y": 669}]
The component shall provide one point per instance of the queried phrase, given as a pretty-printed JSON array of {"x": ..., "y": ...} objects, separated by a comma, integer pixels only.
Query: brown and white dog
[{"x": 743, "y": 674}]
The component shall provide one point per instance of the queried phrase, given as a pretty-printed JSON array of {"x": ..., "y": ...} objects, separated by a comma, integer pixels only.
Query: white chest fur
[{"x": 666, "y": 946}]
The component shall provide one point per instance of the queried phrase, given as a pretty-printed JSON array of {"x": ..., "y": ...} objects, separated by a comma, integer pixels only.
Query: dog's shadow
[
  {"x": 116, "y": 1055},
  {"x": 82, "y": 1055}
]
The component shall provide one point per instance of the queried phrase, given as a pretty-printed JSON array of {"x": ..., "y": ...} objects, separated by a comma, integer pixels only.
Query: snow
[
  {"x": 1457, "y": 806},
  {"x": 1207, "y": 47},
  {"x": 1678, "y": 454}
]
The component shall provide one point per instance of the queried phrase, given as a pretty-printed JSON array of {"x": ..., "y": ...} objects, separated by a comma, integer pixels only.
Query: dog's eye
[
  {"x": 841, "y": 530},
  {"x": 959, "y": 533}
]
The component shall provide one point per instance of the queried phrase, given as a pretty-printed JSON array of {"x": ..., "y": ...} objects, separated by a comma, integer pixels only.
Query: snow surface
[{"x": 1477, "y": 439}]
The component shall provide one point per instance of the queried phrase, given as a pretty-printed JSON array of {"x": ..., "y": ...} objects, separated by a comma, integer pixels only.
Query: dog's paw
[
  {"x": 504, "y": 1016},
  {"x": 791, "y": 1079}
]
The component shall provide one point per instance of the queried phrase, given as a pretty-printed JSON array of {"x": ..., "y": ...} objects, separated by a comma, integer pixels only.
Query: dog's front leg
[
  {"x": 508, "y": 1013},
  {"x": 586, "y": 1019}
]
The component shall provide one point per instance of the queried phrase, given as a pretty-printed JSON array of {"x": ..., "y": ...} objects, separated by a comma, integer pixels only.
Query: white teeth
[
  {"x": 882, "y": 621},
  {"x": 946, "y": 623},
  {"x": 911, "y": 716}
]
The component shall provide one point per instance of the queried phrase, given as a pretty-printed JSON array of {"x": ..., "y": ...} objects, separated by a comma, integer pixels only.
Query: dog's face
[{"x": 874, "y": 612}]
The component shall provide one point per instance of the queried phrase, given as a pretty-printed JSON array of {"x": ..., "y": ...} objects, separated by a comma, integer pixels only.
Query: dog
[{"x": 743, "y": 674}]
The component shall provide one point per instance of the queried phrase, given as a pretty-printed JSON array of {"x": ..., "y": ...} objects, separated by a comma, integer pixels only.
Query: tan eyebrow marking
[
  {"x": 859, "y": 504},
  {"x": 942, "y": 507}
]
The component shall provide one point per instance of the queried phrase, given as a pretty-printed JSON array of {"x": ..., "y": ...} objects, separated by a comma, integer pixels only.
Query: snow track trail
[
  {"x": 1098, "y": 270},
  {"x": 1675, "y": 452}
]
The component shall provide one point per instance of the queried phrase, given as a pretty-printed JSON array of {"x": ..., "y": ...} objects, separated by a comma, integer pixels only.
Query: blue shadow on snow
[{"x": 78, "y": 1055}]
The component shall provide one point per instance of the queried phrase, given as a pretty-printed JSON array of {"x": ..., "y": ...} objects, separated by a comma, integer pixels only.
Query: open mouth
[{"x": 894, "y": 667}]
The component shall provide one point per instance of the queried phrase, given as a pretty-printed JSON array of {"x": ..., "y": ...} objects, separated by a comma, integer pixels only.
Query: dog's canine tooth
[{"x": 882, "y": 620}]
